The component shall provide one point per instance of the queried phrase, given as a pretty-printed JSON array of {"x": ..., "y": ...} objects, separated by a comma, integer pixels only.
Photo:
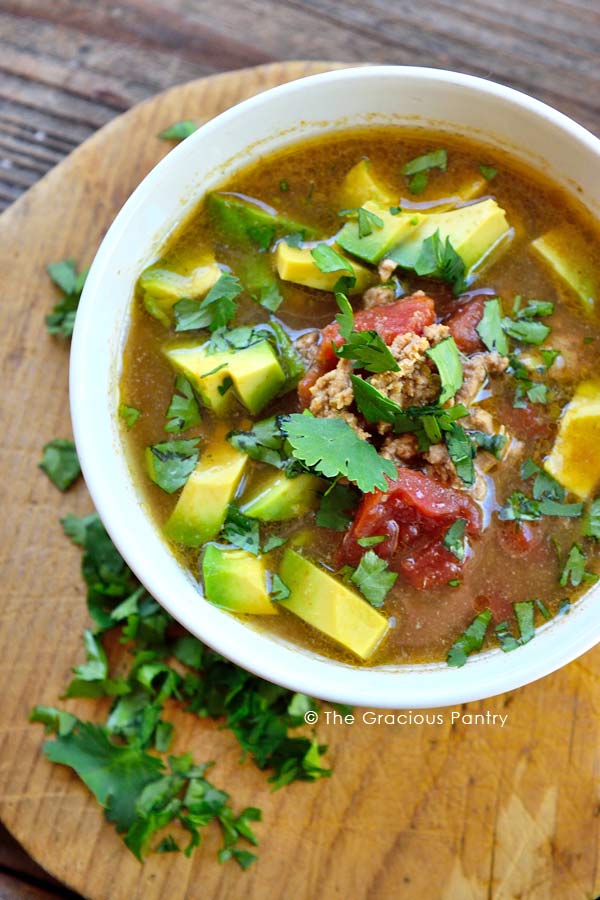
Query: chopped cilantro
[
  {"x": 265, "y": 442},
  {"x": 544, "y": 485},
  {"x": 436, "y": 159},
  {"x": 129, "y": 414},
  {"x": 372, "y": 541},
  {"x": 588, "y": 340},
  {"x": 284, "y": 185},
  {"x": 454, "y": 539},
  {"x": 439, "y": 259},
  {"x": 332, "y": 448},
  {"x": 171, "y": 463},
  {"x": 564, "y": 606},
  {"x": 548, "y": 356},
  {"x": 543, "y": 608},
  {"x": 524, "y": 614},
  {"x": 470, "y": 641},
  {"x": 492, "y": 443},
  {"x": 525, "y": 330},
  {"x": 454, "y": 582},
  {"x": 536, "y": 308},
  {"x": 270, "y": 297},
  {"x": 506, "y": 639},
  {"x": 328, "y": 260},
  {"x": 574, "y": 571},
  {"x": 337, "y": 507},
  {"x": 373, "y": 578},
  {"x": 446, "y": 357},
  {"x": 60, "y": 463},
  {"x": 225, "y": 385},
  {"x": 214, "y": 311},
  {"x": 241, "y": 530},
  {"x": 520, "y": 508},
  {"x": 367, "y": 220},
  {"x": 183, "y": 411},
  {"x": 374, "y": 405},
  {"x": 488, "y": 172},
  {"x": 489, "y": 328},
  {"x": 591, "y": 522},
  {"x": 366, "y": 348},
  {"x": 462, "y": 452},
  {"x": 417, "y": 183},
  {"x": 178, "y": 131},
  {"x": 395, "y": 210},
  {"x": 279, "y": 589},
  {"x": 64, "y": 274},
  {"x": 272, "y": 542}
]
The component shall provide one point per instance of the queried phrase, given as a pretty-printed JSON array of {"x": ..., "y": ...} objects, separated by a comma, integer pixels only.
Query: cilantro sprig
[
  {"x": 215, "y": 311},
  {"x": 366, "y": 349},
  {"x": 60, "y": 463},
  {"x": 416, "y": 169},
  {"x": 373, "y": 578},
  {"x": 470, "y": 641},
  {"x": 183, "y": 411},
  {"x": 65, "y": 276}
]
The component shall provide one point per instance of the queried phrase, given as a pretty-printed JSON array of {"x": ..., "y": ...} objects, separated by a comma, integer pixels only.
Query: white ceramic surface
[{"x": 387, "y": 94}]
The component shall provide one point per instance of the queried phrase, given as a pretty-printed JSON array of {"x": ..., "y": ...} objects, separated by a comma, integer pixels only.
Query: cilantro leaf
[
  {"x": 574, "y": 571},
  {"x": 366, "y": 348},
  {"x": 462, "y": 452},
  {"x": 524, "y": 330},
  {"x": 183, "y": 411},
  {"x": 490, "y": 329},
  {"x": 332, "y": 448},
  {"x": 454, "y": 539},
  {"x": 64, "y": 274},
  {"x": 373, "y": 579},
  {"x": 54, "y": 720},
  {"x": 337, "y": 507},
  {"x": 488, "y": 172},
  {"x": 520, "y": 508},
  {"x": 536, "y": 308},
  {"x": 492, "y": 443},
  {"x": 264, "y": 442},
  {"x": 374, "y": 405},
  {"x": 470, "y": 641},
  {"x": 345, "y": 317},
  {"x": 178, "y": 131},
  {"x": 60, "y": 463},
  {"x": 506, "y": 639},
  {"x": 279, "y": 589},
  {"x": 372, "y": 541},
  {"x": 524, "y": 614},
  {"x": 436, "y": 159},
  {"x": 129, "y": 414},
  {"x": 214, "y": 311},
  {"x": 328, "y": 260},
  {"x": 366, "y": 220},
  {"x": 446, "y": 357},
  {"x": 241, "y": 530},
  {"x": 171, "y": 463},
  {"x": 439, "y": 259},
  {"x": 591, "y": 526},
  {"x": 417, "y": 183}
]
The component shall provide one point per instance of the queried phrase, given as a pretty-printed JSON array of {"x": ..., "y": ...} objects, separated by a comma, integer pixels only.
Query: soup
[{"x": 360, "y": 397}]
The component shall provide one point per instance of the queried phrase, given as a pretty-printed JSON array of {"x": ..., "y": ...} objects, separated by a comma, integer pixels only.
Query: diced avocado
[
  {"x": 207, "y": 372},
  {"x": 297, "y": 264},
  {"x": 328, "y": 605},
  {"x": 161, "y": 288},
  {"x": 237, "y": 581},
  {"x": 374, "y": 246},
  {"x": 257, "y": 375},
  {"x": 574, "y": 460},
  {"x": 473, "y": 231},
  {"x": 276, "y": 497},
  {"x": 360, "y": 185},
  {"x": 202, "y": 505},
  {"x": 247, "y": 222},
  {"x": 567, "y": 253}
]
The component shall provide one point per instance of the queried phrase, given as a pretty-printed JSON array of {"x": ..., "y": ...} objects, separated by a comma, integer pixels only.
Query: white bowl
[{"x": 442, "y": 100}]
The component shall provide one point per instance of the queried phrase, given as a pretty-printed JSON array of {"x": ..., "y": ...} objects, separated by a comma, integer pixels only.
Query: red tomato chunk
[{"x": 463, "y": 325}]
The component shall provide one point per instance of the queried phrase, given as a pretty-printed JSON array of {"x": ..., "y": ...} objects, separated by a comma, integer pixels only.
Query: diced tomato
[
  {"x": 463, "y": 325},
  {"x": 528, "y": 422},
  {"x": 520, "y": 539},
  {"x": 408, "y": 314},
  {"x": 414, "y": 513}
]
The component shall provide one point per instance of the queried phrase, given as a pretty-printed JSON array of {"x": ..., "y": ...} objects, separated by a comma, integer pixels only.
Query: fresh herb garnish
[
  {"x": 548, "y": 356},
  {"x": 272, "y": 542},
  {"x": 543, "y": 608},
  {"x": 591, "y": 522},
  {"x": 373, "y": 578},
  {"x": 329, "y": 260},
  {"x": 214, "y": 311},
  {"x": 525, "y": 330},
  {"x": 366, "y": 220},
  {"x": 492, "y": 443},
  {"x": 264, "y": 442},
  {"x": 183, "y": 411},
  {"x": 470, "y": 641},
  {"x": 333, "y": 449},
  {"x": 241, "y": 530},
  {"x": 366, "y": 348},
  {"x": 462, "y": 453},
  {"x": 520, "y": 508},
  {"x": 279, "y": 589},
  {"x": 574, "y": 571},
  {"x": 64, "y": 274},
  {"x": 525, "y": 616},
  {"x": 490, "y": 329},
  {"x": 417, "y": 183},
  {"x": 418, "y": 168},
  {"x": 178, "y": 131},
  {"x": 454, "y": 539},
  {"x": 337, "y": 507},
  {"x": 488, "y": 172},
  {"x": 446, "y": 357},
  {"x": 438, "y": 258},
  {"x": 60, "y": 463},
  {"x": 284, "y": 185},
  {"x": 374, "y": 405},
  {"x": 372, "y": 541},
  {"x": 544, "y": 485},
  {"x": 129, "y": 414},
  {"x": 171, "y": 463}
]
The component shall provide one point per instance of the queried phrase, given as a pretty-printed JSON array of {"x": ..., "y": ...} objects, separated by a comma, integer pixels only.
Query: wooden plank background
[{"x": 67, "y": 67}]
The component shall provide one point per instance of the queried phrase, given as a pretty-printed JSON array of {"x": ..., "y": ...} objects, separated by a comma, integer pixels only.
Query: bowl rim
[{"x": 376, "y": 687}]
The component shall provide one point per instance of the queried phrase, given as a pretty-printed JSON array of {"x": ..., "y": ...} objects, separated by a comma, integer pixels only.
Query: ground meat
[
  {"x": 386, "y": 269},
  {"x": 476, "y": 370},
  {"x": 401, "y": 449},
  {"x": 307, "y": 345},
  {"x": 440, "y": 466},
  {"x": 332, "y": 396},
  {"x": 380, "y": 295}
]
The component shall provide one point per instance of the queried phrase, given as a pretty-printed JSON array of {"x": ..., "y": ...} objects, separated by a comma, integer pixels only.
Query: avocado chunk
[
  {"x": 161, "y": 288},
  {"x": 276, "y": 497},
  {"x": 207, "y": 373},
  {"x": 328, "y": 605},
  {"x": 246, "y": 222},
  {"x": 361, "y": 185},
  {"x": 202, "y": 505},
  {"x": 297, "y": 264},
  {"x": 567, "y": 254},
  {"x": 474, "y": 231},
  {"x": 237, "y": 581},
  {"x": 257, "y": 375},
  {"x": 469, "y": 190},
  {"x": 574, "y": 460},
  {"x": 374, "y": 246}
]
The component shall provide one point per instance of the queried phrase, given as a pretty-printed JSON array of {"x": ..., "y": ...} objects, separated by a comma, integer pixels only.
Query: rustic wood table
[{"x": 69, "y": 66}]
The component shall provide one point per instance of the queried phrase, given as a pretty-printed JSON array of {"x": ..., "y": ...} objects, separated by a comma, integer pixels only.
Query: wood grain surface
[
  {"x": 449, "y": 810},
  {"x": 69, "y": 66}
]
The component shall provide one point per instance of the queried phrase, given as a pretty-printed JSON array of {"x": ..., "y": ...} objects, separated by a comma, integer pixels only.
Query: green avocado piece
[
  {"x": 206, "y": 371},
  {"x": 473, "y": 232},
  {"x": 276, "y": 497},
  {"x": 374, "y": 246},
  {"x": 257, "y": 375},
  {"x": 361, "y": 184},
  {"x": 202, "y": 505},
  {"x": 161, "y": 288},
  {"x": 248, "y": 223},
  {"x": 567, "y": 254},
  {"x": 322, "y": 601},
  {"x": 237, "y": 581}
]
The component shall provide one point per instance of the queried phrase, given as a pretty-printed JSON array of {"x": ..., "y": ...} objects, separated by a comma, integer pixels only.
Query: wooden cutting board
[{"x": 447, "y": 811}]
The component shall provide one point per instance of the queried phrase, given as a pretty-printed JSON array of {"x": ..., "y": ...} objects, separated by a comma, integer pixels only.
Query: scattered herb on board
[
  {"x": 65, "y": 276},
  {"x": 60, "y": 463},
  {"x": 178, "y": 131}
]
